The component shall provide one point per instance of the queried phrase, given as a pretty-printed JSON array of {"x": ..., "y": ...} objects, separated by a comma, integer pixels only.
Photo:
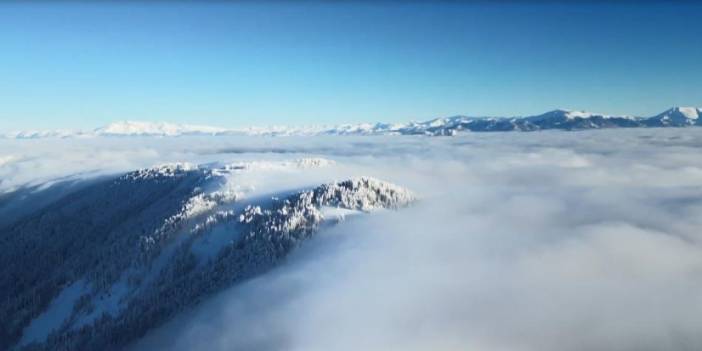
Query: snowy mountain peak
[
  {"x": 688, "y": 112},
  {"x": 677, "y": 117},
  {"x": 160, "y": 171},
  {"x": 580, "y": 114},
  {"x": 155, "y": 129}
]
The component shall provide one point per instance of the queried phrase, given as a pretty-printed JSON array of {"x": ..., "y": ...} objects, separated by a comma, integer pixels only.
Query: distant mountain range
[{"x": 556, "y": 119}]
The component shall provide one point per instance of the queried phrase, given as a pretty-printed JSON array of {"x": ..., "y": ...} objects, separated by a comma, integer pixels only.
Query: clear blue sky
[{"x": 82, "y": 65}]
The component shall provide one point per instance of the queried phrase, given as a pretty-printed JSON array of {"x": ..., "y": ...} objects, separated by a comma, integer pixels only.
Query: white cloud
[{"x": 522, "y": 241}]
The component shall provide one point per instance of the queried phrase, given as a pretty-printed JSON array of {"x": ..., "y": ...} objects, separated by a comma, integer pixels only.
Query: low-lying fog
[{"x": 521, "y": 241}]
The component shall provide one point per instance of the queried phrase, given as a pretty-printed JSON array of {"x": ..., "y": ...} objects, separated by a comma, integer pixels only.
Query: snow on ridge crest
[
  {"x": 572, "y": 114},
  {"x": 363, "y": 193},
  {"x": 689, "y": 112},
  {"x": 302, "y": 213},
  {"x": 226, "y": 192},
  {"x": 199, "y": 204},
  {"x": 160, "y": 171},
  {"x": 580, "y": 114}
]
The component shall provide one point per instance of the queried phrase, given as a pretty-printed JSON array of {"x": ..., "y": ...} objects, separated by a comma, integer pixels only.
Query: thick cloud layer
[{"x": 531, "y": 241}]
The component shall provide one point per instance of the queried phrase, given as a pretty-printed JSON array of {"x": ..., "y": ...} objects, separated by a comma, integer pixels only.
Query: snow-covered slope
[
  {"x": 124, "y": 254},
  {"x": 557, "y": 119},
  {"x": 676, "y": 117},
  {"x": 571, "y": 120}
]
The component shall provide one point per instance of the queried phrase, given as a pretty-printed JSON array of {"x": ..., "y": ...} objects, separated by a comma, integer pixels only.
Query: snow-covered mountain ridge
[
  {"x": 155, "y": 128},
  {"x": 123, "y": 254},
  {"x": 556, "y": 119}
]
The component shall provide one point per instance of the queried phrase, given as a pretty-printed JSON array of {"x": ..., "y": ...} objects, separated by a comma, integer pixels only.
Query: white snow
[
  {"x": 140, "y": 128},
  {"x": 365, "y": 194},
  {"x": 155, "y": 129},
  {"x": 164, "y": 170},
  {"x": 57, "y": 312},
  {"x": 572, "y": 114},
  {"x": 250, "y": 212},
  {"x": 109, "y": 302},
  {"x": 679, "y": 116},
  {"x": 279, "y": 131},
  {"x": 689, "y": 112},
  {"x": 202, "y": 203},
  {"x": 437, "y": 122}
]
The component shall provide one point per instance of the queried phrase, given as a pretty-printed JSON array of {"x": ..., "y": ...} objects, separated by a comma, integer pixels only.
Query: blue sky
[{"x": 233, "y": 64}]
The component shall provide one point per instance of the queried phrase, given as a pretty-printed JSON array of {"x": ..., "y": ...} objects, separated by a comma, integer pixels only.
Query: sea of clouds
[{"x": 520, "y": 241}]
